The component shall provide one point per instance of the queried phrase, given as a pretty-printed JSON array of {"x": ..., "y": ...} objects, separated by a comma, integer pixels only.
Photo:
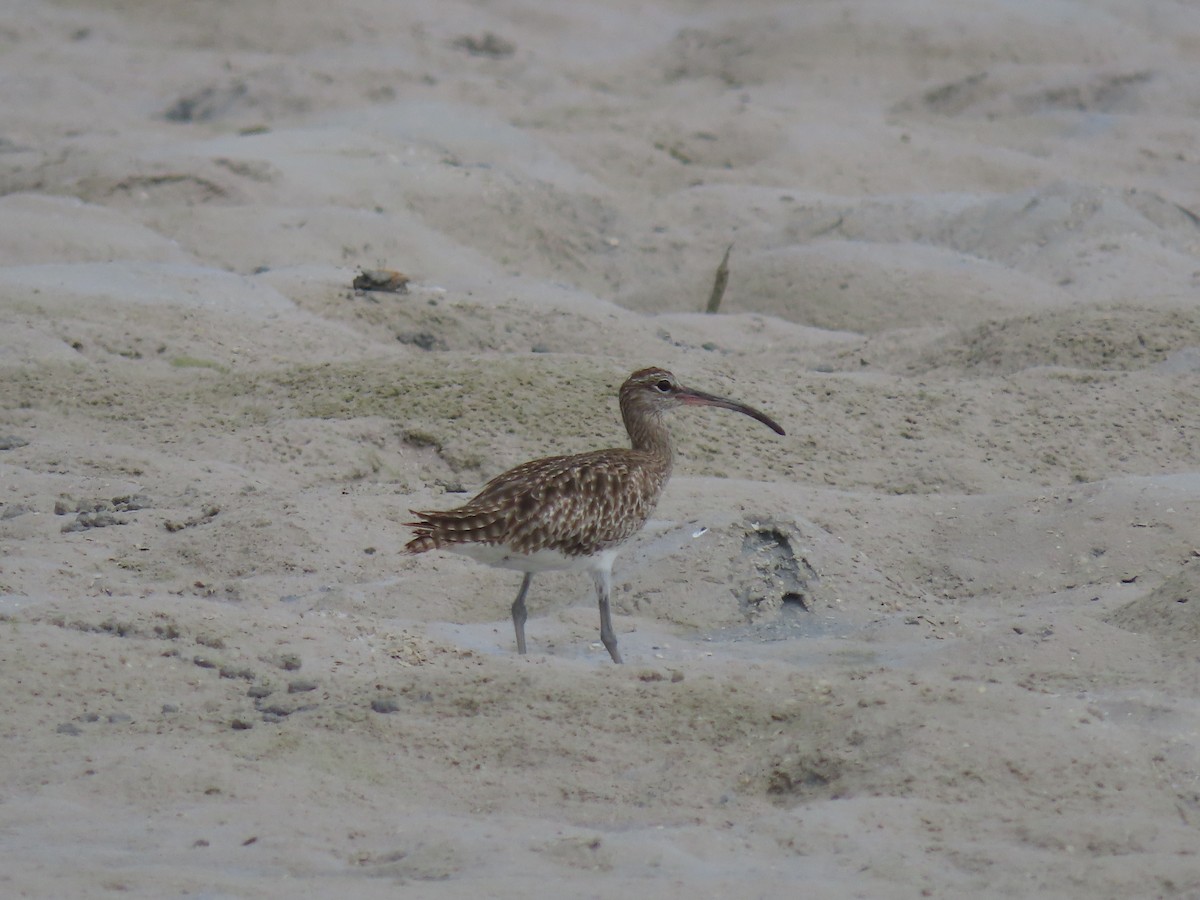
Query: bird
[{"x": 574, "y": 512}]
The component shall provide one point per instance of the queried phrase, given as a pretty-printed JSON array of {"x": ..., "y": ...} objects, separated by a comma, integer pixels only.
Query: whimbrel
[{"x": 574, "y": 512}]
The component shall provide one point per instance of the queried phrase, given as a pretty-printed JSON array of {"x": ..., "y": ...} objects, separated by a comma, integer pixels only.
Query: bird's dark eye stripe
[{"x": 663, "y": 386}]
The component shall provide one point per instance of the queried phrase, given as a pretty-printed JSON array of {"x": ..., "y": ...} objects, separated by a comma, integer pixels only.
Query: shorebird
[{"x": 574, "y": 512}]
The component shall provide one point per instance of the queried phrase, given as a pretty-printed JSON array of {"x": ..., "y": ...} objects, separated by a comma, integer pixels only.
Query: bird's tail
[{"x": 424, "y": 539}]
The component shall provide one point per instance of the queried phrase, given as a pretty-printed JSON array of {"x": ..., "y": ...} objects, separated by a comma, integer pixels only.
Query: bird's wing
[{"x": 574, "y": 504}]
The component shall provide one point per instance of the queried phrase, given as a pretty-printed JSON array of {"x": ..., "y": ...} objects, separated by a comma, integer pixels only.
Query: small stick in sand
[{"x": 722, "y": 279}]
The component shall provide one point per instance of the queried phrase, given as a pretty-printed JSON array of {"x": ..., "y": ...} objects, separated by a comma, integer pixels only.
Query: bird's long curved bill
[{"x": 699, "y": 398}]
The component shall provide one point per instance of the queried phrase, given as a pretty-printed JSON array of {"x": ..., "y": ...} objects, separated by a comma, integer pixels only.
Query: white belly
[{"x": 539, "y": 561}]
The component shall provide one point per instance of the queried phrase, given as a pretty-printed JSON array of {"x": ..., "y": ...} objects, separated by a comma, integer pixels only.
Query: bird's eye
[{"x": 663, "y": 387}]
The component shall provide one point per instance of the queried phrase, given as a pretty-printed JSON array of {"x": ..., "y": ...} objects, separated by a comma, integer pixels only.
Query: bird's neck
[{"x": 648, "y": 433}]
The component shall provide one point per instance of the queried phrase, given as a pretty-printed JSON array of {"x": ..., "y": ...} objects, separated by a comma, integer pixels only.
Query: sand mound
[{"x": 1170, "y": 612}]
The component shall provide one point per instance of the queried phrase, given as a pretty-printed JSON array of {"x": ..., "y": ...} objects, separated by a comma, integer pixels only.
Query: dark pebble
[
  {"x": 204, "y": 662},
  {"x": 385, "y": 705},
  {"x": 240, "y": 725},
  {"x": 69, "y": 728},
  {"x": 169, "y": 708},
  {"x": 301, "y": 685},
  {"x": 242, "y": 672},
  {"x": 258, "y": 691},
  {"x": 289, "y": 662}
]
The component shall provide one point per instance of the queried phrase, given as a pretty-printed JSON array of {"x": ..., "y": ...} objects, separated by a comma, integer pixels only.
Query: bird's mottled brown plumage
[
  {"x": 577, "y": 505},
  {"x": 573, "y": 511}
]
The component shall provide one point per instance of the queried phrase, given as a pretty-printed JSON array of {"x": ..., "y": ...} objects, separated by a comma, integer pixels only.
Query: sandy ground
[{"x": 941, "y": 640}]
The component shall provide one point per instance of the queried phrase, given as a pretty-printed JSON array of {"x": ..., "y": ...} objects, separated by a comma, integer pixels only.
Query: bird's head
[{"x": 654, "y": 391}]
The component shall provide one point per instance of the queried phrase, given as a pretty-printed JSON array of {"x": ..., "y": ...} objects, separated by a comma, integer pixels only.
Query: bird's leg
[
  {"x": 519, "y": 614},
  {"x": 603, "y": 580}
]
